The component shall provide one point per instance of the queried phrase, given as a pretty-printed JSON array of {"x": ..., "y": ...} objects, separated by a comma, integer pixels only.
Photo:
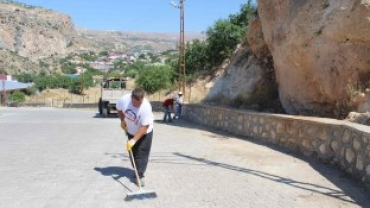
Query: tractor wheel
[
  {"x": 106, "y": 109},
  {"x": 100, "y": 106}
]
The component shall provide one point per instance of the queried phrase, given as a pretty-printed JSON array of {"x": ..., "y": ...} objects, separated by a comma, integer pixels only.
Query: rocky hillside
[
  {"x": 34, "y": 32},
  {"x": 29, "y": 34},
  {"x": 135, "y": 41},
  {"x": 316, "y": 52},
  {"x": 34, "y": 38}
]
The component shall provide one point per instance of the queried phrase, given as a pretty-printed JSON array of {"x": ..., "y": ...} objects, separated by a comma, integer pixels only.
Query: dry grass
[{"x": 91, "y": 95}]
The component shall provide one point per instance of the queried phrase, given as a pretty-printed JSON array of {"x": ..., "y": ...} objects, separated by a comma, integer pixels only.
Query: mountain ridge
[{"x": 31, "y": 36}]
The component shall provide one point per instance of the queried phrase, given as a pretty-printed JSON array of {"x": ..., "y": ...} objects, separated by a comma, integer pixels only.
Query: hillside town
[{"x": 106, "y": 63}]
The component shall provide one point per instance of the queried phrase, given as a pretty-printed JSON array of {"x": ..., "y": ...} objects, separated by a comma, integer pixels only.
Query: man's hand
[
  {"x": 130, "y": 144},
  {"x": 123, "y": 126}
]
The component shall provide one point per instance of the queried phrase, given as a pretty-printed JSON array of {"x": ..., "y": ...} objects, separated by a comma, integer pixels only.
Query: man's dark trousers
[{"x": 141, "y": 151}]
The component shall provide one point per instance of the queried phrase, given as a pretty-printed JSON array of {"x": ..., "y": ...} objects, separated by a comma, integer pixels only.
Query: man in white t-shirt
[
  {"x": 178, "y": 101},
  {"x": 137, "y": 118}
]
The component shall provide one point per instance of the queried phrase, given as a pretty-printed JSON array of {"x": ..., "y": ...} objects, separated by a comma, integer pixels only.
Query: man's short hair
[{"x": 138, "y": 94}]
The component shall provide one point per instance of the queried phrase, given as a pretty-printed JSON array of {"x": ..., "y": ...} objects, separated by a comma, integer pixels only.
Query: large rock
[
  {"x": 248, "y": 79},
  {"x": 319, "y": 49},
  {"x": 239, "y": 78},
  {"x": 361, "y": 118}
]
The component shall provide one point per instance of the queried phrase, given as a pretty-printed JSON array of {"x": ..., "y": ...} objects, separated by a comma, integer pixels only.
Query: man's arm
[
  {"x": 123, "y": 122},
  {"x": 121, "y": 115},
  {"x": 137, "y": 136},
  {"x": 140, "y": 133}
]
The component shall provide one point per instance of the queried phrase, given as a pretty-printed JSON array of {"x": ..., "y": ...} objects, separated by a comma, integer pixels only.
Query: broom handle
[{"x": 136, "y": 173}]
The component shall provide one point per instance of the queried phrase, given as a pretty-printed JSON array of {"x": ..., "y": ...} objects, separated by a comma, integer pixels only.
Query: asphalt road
[{"x": 74, "y": 158}]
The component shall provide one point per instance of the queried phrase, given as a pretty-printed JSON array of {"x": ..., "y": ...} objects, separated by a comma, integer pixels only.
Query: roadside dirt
[{"x": 193, "y": 94}]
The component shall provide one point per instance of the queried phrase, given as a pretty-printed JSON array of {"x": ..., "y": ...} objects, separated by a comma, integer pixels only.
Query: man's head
[
  {"x": 137, "y": 97},
  {"x": 180, "y": 93}
]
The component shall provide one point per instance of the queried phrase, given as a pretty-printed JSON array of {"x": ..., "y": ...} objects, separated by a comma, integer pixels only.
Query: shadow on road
[
  {"x": 116, "y": 173},
  {"x": 360, "y": 198},
  {"x": 110, "y": 116},
  {"x": 350, "y": 187}
]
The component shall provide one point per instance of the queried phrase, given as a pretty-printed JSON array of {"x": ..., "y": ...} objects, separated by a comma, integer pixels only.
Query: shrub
[
  {"x": 31, "y": 90},
  {"x": 17, "y": 97},
  {"x": 153, "y": 79}
]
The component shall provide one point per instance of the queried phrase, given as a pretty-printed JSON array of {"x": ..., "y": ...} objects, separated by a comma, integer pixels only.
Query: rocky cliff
[
  {"x": 33, "y": 32},
  {"x": 316, "y": 52},
  {"x": 321, "y": 49},
  {"x": 29, "y": 34}
]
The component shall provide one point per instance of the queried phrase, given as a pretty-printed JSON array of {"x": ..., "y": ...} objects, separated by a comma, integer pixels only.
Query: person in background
[
  {"x": 178, "y": 101},
  {"x": 168, "y": 108},
  {"x": 136, "y": 115}
]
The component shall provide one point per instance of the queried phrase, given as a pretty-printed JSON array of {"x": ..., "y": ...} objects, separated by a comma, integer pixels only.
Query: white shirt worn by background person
[
  {"x": 178, "y": 100},
  {"x": 136, "y": 117}
]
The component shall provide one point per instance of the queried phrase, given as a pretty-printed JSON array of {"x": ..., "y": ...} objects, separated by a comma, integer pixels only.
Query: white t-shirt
[
  {"x": 136, "y": 117},
  {"x": 178, "y": 99}
]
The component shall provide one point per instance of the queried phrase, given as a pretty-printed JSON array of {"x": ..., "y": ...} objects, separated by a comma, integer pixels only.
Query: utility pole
[{"x": 182, "y": 74}]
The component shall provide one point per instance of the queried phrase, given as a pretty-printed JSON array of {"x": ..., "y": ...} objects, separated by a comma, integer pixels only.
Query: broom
[{"x": 141, "y": 193}]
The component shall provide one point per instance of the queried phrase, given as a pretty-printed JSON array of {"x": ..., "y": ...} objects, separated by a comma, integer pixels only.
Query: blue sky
[{"x": 141, "y": 15}]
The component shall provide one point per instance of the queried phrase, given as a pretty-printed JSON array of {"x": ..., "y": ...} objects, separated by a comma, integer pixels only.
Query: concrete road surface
[{"x": 76, "y": 159}]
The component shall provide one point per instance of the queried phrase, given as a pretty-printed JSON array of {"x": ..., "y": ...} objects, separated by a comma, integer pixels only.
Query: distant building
[
  {"x": 8, "y": 85},
  {"x": 103, "y": 66},
  {"x": 82, "y": 51},
  {"x": 73, "y": 76}
]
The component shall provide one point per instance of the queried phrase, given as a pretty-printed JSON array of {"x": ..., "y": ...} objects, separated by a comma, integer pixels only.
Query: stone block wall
[
  {"x": 80, "y": 105},
  {"x": 342, "y": 143},
  {"x": 157, "y": 106}
]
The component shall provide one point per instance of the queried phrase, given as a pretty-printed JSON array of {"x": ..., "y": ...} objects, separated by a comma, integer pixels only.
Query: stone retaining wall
[
  {"x": 81, "y": 105},
  {"x": 342, "y": 143},
  {"x": 157, "y": 106},
  {"x": 41, "y": 104}
]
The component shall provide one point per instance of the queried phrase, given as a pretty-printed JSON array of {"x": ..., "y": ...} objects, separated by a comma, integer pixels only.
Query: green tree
[
  {"x": 119, "y": 65},
  {"x": 154, "y": 78},
  {"x": 17, "y": 97},
  {"x": 88, "y": 56},
  {"x": 246, "y": 13},
  {"x": 93, "y": 71},
  {"x": 25, "y": 77},
  {"x": 31, "y": 90},
  {"x": 134, "y": 69},
  {"x": 173, "y": 63},
  {"x": 103, "y": 53},
  {"x": 195, "y": 56},
  {"x": 75, "y": 86},
  {"x": 114, "y": 73},
  {"x": 68, "y": 68},
  {"x": 222, "y": 40},
  {"x": 65, "y": 82},
  {"x": 40, "y": 82},
  {"x": 142, "y": 56},
  {"x": 84, "y": 80},
  {"x": 155, "y": 59}
]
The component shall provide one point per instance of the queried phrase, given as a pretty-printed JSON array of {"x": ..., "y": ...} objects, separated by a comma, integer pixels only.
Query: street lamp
[{"x": 182, "y": 78}]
